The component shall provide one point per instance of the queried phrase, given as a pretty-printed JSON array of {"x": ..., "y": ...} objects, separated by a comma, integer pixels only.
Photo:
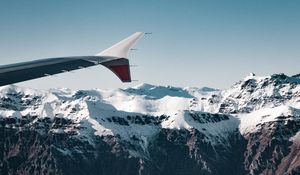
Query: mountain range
[{"x": 253, "y": 127}]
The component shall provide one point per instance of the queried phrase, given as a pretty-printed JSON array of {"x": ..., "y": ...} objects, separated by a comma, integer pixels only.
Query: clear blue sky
[{"x": 194, "y": 42}]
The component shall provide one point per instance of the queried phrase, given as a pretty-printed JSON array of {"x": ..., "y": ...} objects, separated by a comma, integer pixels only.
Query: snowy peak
[
  {"x": 158, "y": 92},
  {"x": 296, "y": 76},
  {"x": 251, "y": 122},
  {"x": 255, "y": 92},
  {"x": 276, "y": 80},
  {"x": 144, "y": 86},
  {"x": 13, "y": 89}
]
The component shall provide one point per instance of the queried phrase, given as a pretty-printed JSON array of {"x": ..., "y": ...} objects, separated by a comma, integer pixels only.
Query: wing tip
[
  {"x": 121, "y": 49},
  {"x": 121, "y": 68}
]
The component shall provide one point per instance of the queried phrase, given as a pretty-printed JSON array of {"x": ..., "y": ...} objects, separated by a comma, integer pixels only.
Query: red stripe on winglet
[{"x": 122, "y": 72}]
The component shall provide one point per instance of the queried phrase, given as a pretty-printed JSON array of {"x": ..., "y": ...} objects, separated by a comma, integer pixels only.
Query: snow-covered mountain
[{"x": 250, "y": 128}]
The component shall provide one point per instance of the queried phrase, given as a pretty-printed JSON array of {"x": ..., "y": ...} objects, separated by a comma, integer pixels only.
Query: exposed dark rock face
[
  {"x": 189, "y": 152},
  {"x": 28, "y": 150},
  {"x": 140, "y": 120},
  {"x": 33, "y": 150},
  {"x": 270, "y": 150}
]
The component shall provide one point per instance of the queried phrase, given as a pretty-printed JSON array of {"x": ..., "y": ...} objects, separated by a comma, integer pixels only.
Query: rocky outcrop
[{"x": 270, "y": 150}]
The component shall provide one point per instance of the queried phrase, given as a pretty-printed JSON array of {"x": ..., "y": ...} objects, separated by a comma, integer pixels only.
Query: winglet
[
  {"x": 120, "y": 67},
  {"x": 121, "y": 49}
]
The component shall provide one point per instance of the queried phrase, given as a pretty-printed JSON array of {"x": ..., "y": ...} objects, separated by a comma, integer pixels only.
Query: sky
[{"x": 194, "y": 43}]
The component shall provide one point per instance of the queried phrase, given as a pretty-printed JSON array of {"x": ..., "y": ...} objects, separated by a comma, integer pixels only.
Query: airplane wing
[{"x": 114, "y": 58}]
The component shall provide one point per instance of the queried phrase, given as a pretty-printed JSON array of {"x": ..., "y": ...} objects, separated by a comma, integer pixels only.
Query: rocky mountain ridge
[{"x": 250, "y": 128}]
